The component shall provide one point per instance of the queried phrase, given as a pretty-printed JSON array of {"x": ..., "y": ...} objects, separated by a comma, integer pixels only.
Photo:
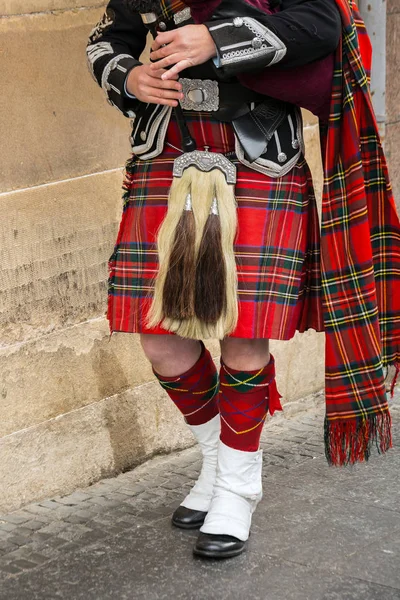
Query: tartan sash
[{"x": 360, "y": 258}]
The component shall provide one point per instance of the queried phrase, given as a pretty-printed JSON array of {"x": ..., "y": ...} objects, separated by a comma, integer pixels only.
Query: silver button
[
  {"x": 296, "y": 144},
  {"x": 143, "y": 136},
  {"x": 162, "y": 26},
  {"x": 282, "y": 157},
  {"x": 238, "y": 22},
  {"x": 256, "y": 43}
]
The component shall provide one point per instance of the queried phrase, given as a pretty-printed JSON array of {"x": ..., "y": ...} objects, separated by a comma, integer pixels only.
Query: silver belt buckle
[{"x": 200, "y": 94}]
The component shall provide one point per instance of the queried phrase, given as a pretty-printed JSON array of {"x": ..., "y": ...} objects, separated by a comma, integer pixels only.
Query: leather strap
[{"x": 234, "y": 101}]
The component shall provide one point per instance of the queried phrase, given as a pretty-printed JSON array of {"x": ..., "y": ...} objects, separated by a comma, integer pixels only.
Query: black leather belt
[{"x": 225, "y": 101}]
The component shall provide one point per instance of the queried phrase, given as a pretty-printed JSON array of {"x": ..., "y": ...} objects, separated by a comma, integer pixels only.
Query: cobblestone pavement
[{"x": 319, "y": 534}]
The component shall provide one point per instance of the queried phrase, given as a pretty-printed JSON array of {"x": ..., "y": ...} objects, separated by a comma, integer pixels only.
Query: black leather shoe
[
  {"x": 186, "y": 518},
  {"x": 218, "y": 546}
]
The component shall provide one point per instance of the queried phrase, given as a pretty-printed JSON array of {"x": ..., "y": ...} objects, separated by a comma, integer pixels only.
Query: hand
[
  {"x": 146, "y": 84},
  {"x": 183, "y": 48}
]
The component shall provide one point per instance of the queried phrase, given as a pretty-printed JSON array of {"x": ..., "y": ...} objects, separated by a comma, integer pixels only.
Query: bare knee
[
  {"x": 170, "y": 355},
  {"x": 245, "y": 354}
]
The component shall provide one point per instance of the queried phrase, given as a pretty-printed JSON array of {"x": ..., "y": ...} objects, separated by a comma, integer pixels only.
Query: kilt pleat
[{"x": 277, "y": 246}]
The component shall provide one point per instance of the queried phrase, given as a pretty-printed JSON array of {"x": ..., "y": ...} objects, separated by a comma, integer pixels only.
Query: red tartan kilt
[{"x": 277, "y": 246}]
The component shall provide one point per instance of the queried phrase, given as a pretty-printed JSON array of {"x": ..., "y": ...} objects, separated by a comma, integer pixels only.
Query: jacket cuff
[
  {"x": 244, "y": 44},
  {"x": 125, "y": 89},
  {"x": 113, "y": 83}
]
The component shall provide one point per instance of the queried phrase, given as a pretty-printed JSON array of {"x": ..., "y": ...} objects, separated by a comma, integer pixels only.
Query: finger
[
  {"x": 169, "y": 85},
  {"x": 163, "y": 52},
  {"x": 154, "y": 56},
  {"x": 166, "y": 37},
  {"x": 164, "y": 93},
  {"x": 155, "y": 45},
  {"x": 156, "y": 72},
  {"x": 168, "y": 62},
  {"x": 158, "y": 83},
  {"x": 174, "y": 71}
]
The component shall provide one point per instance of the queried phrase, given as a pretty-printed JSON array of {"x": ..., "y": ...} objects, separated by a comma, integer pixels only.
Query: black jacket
[{"x": 246, "y": 39}]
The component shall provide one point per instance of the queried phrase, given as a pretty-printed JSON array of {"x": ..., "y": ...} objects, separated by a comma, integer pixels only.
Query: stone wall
[
  {"x": 75, "y": 405},
  {"x": 392, "y": 145}
]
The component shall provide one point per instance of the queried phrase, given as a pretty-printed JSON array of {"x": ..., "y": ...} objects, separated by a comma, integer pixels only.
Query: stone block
[
  {"x": 314, "y": 159},
  {"x": 392, "y": 62},
  {"x": 309, "y": 119},
  {"x": 45, "y": 461},
  {"x": 300, "y": 365},
  {"x": 19, "y": 7},
  {"x": 393, "y": 155},
  {"x": 78, "y": 367},
  {"x": 78, "y": 448},
  {"x": 55, "y": 242},
  {"x": 393, "y": 6},
  {"x": 143, "y": 422},
  {"x": 54, "y": 117}
]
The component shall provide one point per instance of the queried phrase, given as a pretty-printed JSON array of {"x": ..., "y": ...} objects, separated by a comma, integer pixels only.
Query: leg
[
  {"x": 187, "y": 372},
  {"x": 247, "y": 391},
  {"x": 170, "y": 355},
  {"x": 245, "y": 355}
]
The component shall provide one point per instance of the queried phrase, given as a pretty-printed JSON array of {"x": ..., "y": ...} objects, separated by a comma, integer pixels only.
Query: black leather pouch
[{"x": 269, "y": 138}]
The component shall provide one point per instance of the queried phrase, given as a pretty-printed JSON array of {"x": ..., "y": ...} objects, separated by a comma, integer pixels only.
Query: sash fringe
[{"x": 351, "y": 441}]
